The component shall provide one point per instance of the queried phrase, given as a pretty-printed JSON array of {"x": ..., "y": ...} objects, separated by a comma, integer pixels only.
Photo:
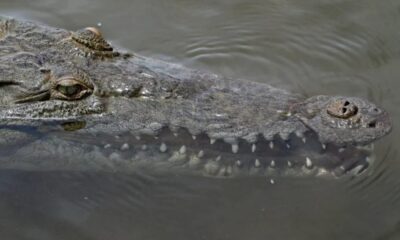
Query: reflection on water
[{"x": 312, "y": 47}]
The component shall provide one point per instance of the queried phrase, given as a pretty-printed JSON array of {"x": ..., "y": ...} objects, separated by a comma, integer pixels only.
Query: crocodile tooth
[
  {"x": 235, "y": 148},
  {"x": 107, "y": 146},
  {"x": 222, "y": 171},
  {"x": 284, "y": 135},
  {"x": 358, "y": 169},
  {"x": 212, "y": 140},
  {"x": 225, "y": 171},
  {"x": 124, "y": 147},
  {"x": 289, "y": 163},
  {"x": 193, "y": 161},
  {"x": 218, "y": 158},
  {"x": 341, "y": 150},
  {"x": 182, "y": 150},
  {"x": 175, "y": 134},
  {"x": 137, "y": 137},
  {"x": 163, "y": 147},
  {"x": 144, "y": 147},
  {"x": 194, "y": 137},
  {"x": 322, "y": 172},
  {"x": 309, "y": 163},
  {"x": 299, "y": 134},
  {"x": 272, "y": 181},
  {"x": 368, "y": 159},
  {"x": 200, "y": 154},
  {"x": 272, "y": 163},
  {"x": 323, "y": 146},
  {"x": 287, "y": 145},
  {"x": 211, "y": 167},
  {"x": 229, "y": 170},
  {"x": 257, "y": 163},
  {"x": 253, "y": 148},
  {"x": 155, "y": 137},
  {"x": 304, "y": 139},
  {"x": 271, "y": 145},
  {"x": 114, "y": 156},
  {"x": 238, "y": 163}
]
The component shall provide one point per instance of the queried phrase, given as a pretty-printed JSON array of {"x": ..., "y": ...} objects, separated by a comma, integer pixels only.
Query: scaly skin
[{"x": 72, "y": 94}]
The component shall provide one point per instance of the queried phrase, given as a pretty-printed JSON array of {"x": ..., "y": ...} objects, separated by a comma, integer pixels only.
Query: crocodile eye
[{"x": 69, "y": 88}]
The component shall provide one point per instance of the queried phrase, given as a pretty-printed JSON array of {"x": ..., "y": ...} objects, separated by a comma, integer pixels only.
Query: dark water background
[{"x": 308, "y": 46}]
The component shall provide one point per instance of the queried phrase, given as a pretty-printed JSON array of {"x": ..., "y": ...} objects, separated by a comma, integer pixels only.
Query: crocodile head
[
  {"x": 135, "y": 108},
  {"x": 343, "y": 120}
]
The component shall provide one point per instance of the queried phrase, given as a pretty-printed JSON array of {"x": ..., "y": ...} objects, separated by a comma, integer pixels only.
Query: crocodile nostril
[
  {"x": 376, "y": 111},
  {"x": 342, "y": 109},
  {"x": 372, "y": 124}
]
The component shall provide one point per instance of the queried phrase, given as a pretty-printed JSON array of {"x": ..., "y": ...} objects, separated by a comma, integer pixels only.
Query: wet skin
[{"x": 67, "y": 94}]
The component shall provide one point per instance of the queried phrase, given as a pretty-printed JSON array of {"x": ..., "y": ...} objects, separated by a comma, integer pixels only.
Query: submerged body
[{"x": 74, "y": 102}]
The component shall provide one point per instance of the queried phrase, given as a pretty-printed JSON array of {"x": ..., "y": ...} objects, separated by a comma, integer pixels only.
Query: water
[{"x": 311, "y": 47}]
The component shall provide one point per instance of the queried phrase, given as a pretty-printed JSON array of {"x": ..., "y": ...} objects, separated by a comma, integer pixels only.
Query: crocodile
[{"x": 69, "y": 100}]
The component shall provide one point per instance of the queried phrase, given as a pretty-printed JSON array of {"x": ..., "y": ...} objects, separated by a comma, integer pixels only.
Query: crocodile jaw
[{"x": 182, "y": 152}]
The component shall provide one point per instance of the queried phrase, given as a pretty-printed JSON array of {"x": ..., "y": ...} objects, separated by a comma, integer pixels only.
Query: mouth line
[
  {"x": 180, "y": 150},
  {"x": 297, "y": 156}
]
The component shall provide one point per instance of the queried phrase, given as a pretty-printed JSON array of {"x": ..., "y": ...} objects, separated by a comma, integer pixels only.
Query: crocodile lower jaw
[{"x": 182, "y": 152}]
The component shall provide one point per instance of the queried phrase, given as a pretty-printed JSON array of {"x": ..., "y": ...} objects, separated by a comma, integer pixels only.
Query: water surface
[{"x": 312, "y": 47}]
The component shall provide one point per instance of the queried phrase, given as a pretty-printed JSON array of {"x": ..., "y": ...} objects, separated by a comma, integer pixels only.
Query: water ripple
[
  {"x": 379, "y": 186},
  {"x": 284, "y": 42}
]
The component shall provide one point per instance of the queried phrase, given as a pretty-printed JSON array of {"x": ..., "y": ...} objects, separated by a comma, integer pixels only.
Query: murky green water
[{"x": 312, "y": 47}]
